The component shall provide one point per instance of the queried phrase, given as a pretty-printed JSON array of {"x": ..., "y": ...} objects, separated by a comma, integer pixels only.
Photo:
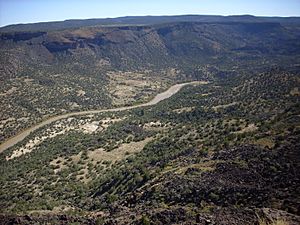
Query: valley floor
[
  {"x": 224, "y": 152},
  {"x": 162, "y": 96}
]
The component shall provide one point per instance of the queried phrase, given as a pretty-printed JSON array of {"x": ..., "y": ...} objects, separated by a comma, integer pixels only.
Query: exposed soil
[{"x": 160, "y": 97}]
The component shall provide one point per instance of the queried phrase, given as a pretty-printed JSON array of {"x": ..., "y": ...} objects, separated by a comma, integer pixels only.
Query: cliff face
[{"x": 156, "y": 46}]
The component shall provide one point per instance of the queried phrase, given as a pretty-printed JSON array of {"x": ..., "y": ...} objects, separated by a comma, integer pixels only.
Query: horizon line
[{"x": 163, "y": 15}]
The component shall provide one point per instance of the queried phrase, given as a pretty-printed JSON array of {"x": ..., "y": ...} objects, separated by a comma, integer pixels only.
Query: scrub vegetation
[{"x": 225, "y": 151}]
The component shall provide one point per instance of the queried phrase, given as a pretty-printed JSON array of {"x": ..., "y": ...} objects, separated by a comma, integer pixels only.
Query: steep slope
[
  {"x": 86, "y": 68},
  {"x": 223, "y": 153}
]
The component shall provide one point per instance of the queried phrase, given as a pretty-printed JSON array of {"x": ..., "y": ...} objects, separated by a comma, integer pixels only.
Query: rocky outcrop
[
  {"x": 21, "y": 36},
  {"x": 184, "y": 43}
]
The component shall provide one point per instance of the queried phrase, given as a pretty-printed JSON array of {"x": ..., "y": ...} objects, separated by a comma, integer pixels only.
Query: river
[{"x": 159, "y": 97}]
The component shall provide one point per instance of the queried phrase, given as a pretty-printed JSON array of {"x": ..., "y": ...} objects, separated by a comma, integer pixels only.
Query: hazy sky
[{"x": 28, "y": 11}]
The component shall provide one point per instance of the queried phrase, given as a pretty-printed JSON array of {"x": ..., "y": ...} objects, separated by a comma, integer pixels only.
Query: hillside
[
  {"x": 222, "y": 150},
  {"x": 227, "y": 149},
  {"x": 100, "y": 67}
]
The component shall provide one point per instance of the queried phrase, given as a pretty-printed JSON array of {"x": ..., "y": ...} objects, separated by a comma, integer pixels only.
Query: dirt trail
[{"x": 162, "y": 96}]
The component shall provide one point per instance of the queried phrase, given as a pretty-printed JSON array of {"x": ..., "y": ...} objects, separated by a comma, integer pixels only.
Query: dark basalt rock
[
  {"x": 21, "y": 36},
  {"x": 59, "y": 46},
  {"x": 45, "y": 219}
]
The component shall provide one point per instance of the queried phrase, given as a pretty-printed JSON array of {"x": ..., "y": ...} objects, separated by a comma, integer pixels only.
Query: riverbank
[{"x": 158, "y": 98}]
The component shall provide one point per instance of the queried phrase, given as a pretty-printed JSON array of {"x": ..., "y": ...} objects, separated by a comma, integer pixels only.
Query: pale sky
[{"x": 29, "y": 11}]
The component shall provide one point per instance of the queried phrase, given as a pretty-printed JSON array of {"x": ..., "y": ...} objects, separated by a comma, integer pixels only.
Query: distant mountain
[{"x": 143, "y": 20}]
